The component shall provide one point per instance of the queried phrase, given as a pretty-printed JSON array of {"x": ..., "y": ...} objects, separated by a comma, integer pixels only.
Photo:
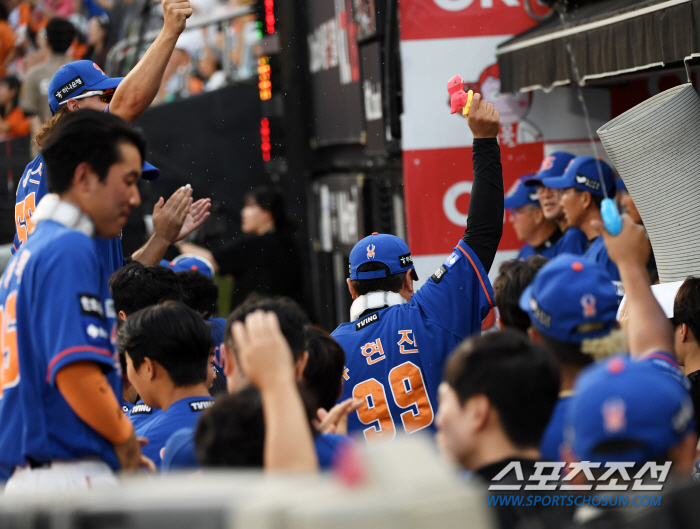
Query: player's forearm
[
  {"x": 648, "y": 329},
  {"x": 152, "y": 252},
  {"x": 289, "y": 445},
  {"x": 138, "y": 89},
  {"x": 485, "y": 220},
  {"x": 91, "y": 398}
]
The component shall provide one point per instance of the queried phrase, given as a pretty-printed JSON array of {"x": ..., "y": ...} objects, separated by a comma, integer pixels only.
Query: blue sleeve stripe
[
  {"x": 73, "y": 350},
  {"x": 476, "y": 269}
]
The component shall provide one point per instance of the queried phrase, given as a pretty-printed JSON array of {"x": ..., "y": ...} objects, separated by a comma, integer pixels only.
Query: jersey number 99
[
  {"x": 23, "y": 217},
  {"x": 407, "y": 389},
  {"x": 9, "y": 359}
]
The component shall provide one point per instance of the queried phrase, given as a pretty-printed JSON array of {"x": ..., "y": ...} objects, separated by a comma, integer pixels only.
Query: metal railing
[{"x": 126, "y": 53}]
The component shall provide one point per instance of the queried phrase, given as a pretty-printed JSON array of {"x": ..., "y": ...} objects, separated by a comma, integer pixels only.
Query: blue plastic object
[{"x": 611, "y": 216}]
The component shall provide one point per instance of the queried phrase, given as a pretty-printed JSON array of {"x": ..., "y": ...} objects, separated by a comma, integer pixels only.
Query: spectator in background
[
  {"x": 97, "y": 32},
  {"x": 7, "y": 41},
  {"x": 14, "y": 123},
  {"x": 34, "y": 94},
  {"x": 209, "y": 67}
]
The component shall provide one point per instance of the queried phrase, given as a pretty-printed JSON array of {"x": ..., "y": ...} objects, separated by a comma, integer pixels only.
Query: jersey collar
[
  {"x": 53, "y": 208},
  {"x": 374, "y": 300}
]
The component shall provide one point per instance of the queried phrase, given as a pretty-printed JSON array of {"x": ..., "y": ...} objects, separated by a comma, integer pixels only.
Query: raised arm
[
  {"x": 267, "y": 362},
  {"x": 136, "y": 92},
  {"x": 485, "y": 219},
  {"x": 648, "y": 329}
]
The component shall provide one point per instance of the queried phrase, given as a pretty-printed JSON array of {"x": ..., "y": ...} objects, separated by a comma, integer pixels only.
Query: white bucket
[{"x": 655, "y": 147}]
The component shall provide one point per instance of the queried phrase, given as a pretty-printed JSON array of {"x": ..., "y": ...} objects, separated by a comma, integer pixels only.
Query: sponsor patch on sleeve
[
  {"x": 95, "y": 333},
  {"x": 201, "y": 405},
  {"x": 91, "y": 306},
  {"x": 367, "y": 320},
  {"x": 452, "y": 259},
  {"x": 439, "y": 273}
]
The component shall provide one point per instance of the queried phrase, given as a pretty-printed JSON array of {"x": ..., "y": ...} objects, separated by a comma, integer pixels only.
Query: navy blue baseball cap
[
  {"x": 620, "y": 185},
  {"x": 571, "y": 300},
  {"x": 74, "y": 78},
  {"x": 622, "y": 400},
  {"x": 553, "y": 165},
  {"x": 520, "y": 195},
  {"x": 583, "y": 173},
  {"x": 381, "y": 248}
]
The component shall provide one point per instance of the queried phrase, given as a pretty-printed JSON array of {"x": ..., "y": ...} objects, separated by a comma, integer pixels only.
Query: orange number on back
[
  {"x": 374, "y": 411},
  {"x": 23, "y": 217},
  {"x": 9, "y": 359},
  {"x": 408, "y": 389}
]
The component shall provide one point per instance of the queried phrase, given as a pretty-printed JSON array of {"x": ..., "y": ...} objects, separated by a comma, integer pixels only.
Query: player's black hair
[
  {"x": 60, "y": 34},
  {"x": 392, "y": 283},
  {"x": 513, "y": 277},
  {"x": 567, "y": 354},
  {"x": 232, "y": 432},
  {"x": 519, "y": 378},
  {"x": 173, "y": 335},
  {"x": 323, "y": 375},
  {"x": 686, "y": 306},
  {"x": 86, "y": 136},
  {"x": 198, "y": 292},
  {"x": 290, "y": 315},
  {"x": 135, "y": 286}
]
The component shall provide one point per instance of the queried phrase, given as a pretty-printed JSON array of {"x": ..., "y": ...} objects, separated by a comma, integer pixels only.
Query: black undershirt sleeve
[{"x": 485, "y": 220}]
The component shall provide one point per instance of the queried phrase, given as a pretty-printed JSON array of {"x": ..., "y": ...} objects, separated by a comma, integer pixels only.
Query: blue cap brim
[
  {"x": 514, "y": 203},
  {"x": 557, "y": 182},
  {"x": 149, "y": 172},
  {"x": 106, "y": 84}
]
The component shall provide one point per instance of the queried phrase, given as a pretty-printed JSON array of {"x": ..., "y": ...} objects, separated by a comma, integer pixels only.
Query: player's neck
[
  {"x": 543, "y": 232},
  {"x": 587, "y": 225},
  {"x": 175, "y": 394},
  {"x": 494, "y": 447}
]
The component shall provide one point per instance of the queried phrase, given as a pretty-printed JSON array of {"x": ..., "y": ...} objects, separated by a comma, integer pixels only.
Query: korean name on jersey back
[{"x": 367, "y": 320}]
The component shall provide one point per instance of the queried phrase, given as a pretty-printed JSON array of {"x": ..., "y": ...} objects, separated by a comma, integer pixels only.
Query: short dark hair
[
  {"x": 60, "y": 34},
  {"x": 567, "y": 354},
  {"x": 198, "y": 292},
  {"x": 519, "y": 378},
  {"x": 686, "y": 306},
  {"x": 135, "y": 286},
  {"x": 323, "y": 375},
  {"x": 86, "y": 136},
  {"x": 390, "y": 283},
  {"x": 173, "y": 335},
  {"x": 513, "y": 277},
  {"x": 290, "y": 315},
  {"x": 232, "y": 432}
]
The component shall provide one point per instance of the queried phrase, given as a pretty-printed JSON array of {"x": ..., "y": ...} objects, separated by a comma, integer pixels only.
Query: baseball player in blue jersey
[
  {"x": 397, "y": 342},
  {"x": 83, "y": 84},
  {"x": 167, "y": 349},
  {"x": 581, "y": 195},
  {"x": 539, "y": 234},
  {"x": 61, "y": 423}
]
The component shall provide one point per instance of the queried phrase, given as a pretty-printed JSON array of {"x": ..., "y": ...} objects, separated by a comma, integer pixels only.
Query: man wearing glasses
[{"x": 82, "y": 84}]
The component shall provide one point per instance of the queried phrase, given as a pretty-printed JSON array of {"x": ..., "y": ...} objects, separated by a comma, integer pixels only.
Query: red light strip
[
  {"x": 266, "y": 146},
  {"x": 269, "y": 16}
]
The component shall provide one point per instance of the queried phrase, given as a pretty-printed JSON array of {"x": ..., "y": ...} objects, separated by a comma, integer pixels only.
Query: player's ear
[
  {"x": 150, "y": 368},
  {"x": 72, "y": 105},
  {"x": 300, "y": 365},
  {"x": 534, "y": 335},
  {"x": 230, "y": 360},
  {"x": 83, "y": 177},
  {"x": 351, "y": 289},
  {"x": 121, "y": 315}
]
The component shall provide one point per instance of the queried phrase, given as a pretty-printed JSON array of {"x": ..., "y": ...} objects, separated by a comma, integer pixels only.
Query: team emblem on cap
[
  {"x": 547, "y": 163},
  {"x": 588, "y": 304},
  {"x": 370, "y": 251},
  {"x": 614, "y": 420},
  {"x": 533, "y": 196}
]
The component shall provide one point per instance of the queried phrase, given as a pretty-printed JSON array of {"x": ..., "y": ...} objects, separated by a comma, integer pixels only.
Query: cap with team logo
[
  {"x": 389, "y": 250},
  {"x": 520, "y": 195},
  {"x": 74, "y": 78},
  {"x": 186, "y": 262},
  {"x": 626, "y": 410},
  {"x": 553, "y": 165},
  {"x": 584, "y": 173},
  {"x": 571, "y": 300}
]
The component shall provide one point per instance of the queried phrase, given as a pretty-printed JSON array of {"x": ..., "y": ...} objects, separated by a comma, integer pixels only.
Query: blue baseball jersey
[
  {"x": 181, "y": 414},
  {"x": 553, "y": 435},
  {"x": 179, "y": 451},
  {"x": 31, "y": 189},
  {"x": 141, "y": 414},
  {"x": 395, "y": 356},
  {"x": 598, "y": 253},
  {"x": 572, "y": 241},
  {"x": 56, "y": 309}
]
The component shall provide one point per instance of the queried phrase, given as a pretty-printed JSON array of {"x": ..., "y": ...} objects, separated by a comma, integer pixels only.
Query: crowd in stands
[{"x": 114, "y": 366}]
